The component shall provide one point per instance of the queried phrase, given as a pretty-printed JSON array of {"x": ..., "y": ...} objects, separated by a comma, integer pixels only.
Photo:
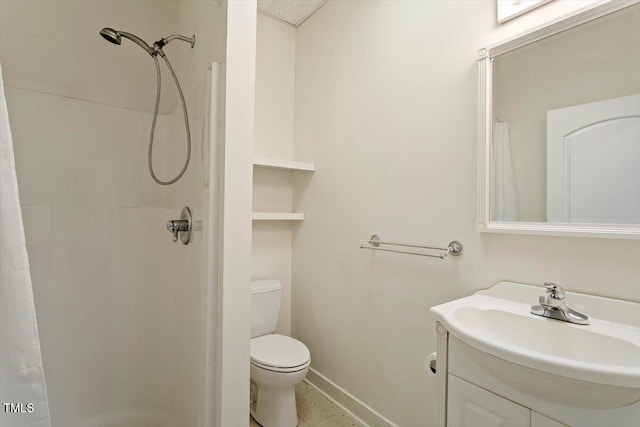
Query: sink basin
[{"x": 606, "y": 352}]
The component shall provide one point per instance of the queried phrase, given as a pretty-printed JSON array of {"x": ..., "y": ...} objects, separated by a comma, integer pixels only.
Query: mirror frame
[{"x": 485, "y": 223}]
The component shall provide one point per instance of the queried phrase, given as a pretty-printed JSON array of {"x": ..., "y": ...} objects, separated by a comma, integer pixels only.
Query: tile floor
[{"x": 315, "y": 410}]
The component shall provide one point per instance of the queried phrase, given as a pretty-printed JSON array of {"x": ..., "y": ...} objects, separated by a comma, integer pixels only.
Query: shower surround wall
[
  {"x": 385, "y": 104},
  {"x": 106, "y": 300},
  {"x": 122, "y": 310}
]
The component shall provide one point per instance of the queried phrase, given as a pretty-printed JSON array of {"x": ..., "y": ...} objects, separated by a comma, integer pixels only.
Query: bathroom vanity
[{"x": 500, "y": 365}]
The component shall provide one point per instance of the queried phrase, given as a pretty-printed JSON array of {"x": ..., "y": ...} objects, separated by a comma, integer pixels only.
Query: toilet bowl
[
  {"x": 275, "y": 380},
  {"x": 278, "y": 362}
]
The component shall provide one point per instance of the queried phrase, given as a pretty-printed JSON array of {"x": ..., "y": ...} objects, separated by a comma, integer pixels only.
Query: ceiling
[{"x": 293, "y": 12}]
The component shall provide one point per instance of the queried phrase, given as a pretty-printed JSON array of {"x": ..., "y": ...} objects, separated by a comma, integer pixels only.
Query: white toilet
[{"x": 278, "y": 362}]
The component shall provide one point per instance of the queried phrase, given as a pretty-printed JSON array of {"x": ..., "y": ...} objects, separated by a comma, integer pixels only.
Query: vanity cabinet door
[
  {"x": 472, "y": 406},
  {"x": 538, "y": 420}
]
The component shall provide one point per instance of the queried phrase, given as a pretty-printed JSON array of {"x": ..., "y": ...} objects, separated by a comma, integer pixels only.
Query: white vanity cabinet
[
  {"x": 471, "y": 406},
  {"x": 538, "y": 420},
  {"x": 500, "y": 365}
]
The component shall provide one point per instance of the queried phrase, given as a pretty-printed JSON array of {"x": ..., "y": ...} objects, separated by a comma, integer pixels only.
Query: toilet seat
[
  {"x": 279, "y": 353},
  {"x": 281, "y": 370}
]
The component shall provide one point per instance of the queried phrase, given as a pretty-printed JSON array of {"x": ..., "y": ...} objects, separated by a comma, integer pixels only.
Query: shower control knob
[
  {"x": 181, "y": 227},
  {"x": 177, "y": 225}
]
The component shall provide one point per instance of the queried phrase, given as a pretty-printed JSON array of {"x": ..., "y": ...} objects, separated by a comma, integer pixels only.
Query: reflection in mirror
[{"x": 566, "y": 126}]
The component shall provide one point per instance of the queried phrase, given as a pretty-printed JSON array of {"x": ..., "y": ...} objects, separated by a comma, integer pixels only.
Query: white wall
[
  {"x": 273, "y": 189},
  {"x": 104, "y": 302},
  {"x": 385, "y": 104},
  {"x": 275, "y": 74},
  {"x": 61, "y": 52},
  {"x": 233, "y": 321}
]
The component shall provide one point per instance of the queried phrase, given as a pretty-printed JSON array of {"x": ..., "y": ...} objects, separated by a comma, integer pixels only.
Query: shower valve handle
[
  {"x": 181, "y": 227},
  {"x": 176, "y": 225}
]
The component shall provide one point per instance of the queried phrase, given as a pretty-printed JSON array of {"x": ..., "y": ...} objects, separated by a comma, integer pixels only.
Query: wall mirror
[{"x": 560, "y": 127}]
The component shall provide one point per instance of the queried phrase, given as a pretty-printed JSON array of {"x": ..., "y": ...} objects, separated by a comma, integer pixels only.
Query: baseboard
[{"x": 349, "y": 403}]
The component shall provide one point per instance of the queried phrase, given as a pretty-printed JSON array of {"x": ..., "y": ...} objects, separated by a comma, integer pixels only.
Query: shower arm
[{"x": 166, "y": 40}]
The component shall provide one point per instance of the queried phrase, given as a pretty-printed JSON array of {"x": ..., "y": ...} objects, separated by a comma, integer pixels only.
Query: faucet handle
[
  {"x": 174, "y": 228},
  {"x": 554, "y": 291},
  {"x": 181, "y": 227}
]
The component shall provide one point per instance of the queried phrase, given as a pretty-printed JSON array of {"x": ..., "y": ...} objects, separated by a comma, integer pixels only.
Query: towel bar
[{"x": 454, "y": 248}]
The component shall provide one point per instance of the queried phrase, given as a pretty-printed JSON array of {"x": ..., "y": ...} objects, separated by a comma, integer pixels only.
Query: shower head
[
  {"x": 111, "y": 35},
  {"x": 115, "y": 37}
]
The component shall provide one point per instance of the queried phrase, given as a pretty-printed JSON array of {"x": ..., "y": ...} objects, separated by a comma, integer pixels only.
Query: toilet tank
[{"x": 265, "y": 306}]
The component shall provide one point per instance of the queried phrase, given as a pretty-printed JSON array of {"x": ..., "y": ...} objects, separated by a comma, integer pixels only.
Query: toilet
[{"x": 278, "y": 362}]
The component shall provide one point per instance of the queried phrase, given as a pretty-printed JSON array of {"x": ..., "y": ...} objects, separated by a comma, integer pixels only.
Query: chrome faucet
[{"x": 554, "y": 306}]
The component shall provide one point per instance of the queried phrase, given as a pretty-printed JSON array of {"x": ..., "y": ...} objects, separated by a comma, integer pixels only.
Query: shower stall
[{"x": 133, "y": 326}]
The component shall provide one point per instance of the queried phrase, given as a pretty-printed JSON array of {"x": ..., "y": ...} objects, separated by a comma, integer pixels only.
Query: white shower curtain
[
  {"x": 23, "y": 392},
  {"x": 505, "y": 200}
]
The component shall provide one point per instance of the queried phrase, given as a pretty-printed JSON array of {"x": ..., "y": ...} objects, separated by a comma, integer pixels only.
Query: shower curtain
[
  {"x": 505, "y": 200},
  {"x": 23, "y": 392}
]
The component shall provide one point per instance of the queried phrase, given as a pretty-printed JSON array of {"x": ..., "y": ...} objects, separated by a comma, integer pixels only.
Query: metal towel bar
[{"x": 455, "y": 248}]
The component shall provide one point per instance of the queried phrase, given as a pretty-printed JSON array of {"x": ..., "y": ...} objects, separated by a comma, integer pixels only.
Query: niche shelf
[
  {"x": 285, "y": 165},
  {"x": 271, "y": 163},
  {"x": 277, "y": 216}
]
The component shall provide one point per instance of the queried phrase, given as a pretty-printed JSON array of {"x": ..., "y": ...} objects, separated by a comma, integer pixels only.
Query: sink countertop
[{"x": 498, "y": 321}]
